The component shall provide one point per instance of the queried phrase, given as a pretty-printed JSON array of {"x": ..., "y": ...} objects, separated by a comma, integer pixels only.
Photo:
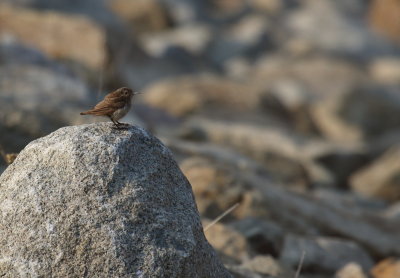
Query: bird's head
[{"x": 126, "y": 92}]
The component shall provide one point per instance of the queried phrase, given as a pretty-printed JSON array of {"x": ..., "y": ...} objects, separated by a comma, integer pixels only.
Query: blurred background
[{"x": 288, "y": 108}]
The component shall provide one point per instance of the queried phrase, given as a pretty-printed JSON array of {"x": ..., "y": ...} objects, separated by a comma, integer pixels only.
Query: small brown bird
[{"x": 115, "y": 105}]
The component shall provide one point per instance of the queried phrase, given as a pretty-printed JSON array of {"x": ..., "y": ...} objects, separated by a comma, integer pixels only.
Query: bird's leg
[
  {"x": 117, "y": 124},
  {"x": 114, "y": 122}
]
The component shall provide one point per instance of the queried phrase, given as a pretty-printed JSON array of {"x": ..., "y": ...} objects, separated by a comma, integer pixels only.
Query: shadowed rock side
[{"x": 93, "y": 201}]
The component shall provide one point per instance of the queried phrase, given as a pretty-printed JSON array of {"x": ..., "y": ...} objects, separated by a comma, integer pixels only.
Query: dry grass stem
[
  {"x": 229, "y": 210},
  {"x": 300, "y": 265}
]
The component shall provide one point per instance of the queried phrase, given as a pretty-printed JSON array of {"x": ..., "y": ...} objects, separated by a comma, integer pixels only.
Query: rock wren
[{"x": 115, "y": 105}]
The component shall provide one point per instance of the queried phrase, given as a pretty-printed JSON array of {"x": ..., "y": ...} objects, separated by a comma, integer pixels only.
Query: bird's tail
[{"x": 85, "y": 113}]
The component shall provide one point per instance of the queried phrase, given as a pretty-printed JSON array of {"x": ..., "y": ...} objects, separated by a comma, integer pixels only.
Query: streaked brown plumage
[{"x": 115, "y": 105}]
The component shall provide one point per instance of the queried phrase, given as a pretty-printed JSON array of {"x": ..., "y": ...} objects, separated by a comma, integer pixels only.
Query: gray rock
[
  {"x": 270, "y": 7},
  {"x": 93, "y": 201},
  {"x": 242, "y": 272},
  {"x": 228, "y": 242},
  {"x": 318, "y": 75},
  {"x": 192, "y": 37},
  {"x": 386, "y": 70},
  {"x": 313, "y": 217},
  {"x": 218, "y": 187},
  {"x": 193, "y": 93},
  {"x": 392, "y": 213},
  {"x": 36, "y": 100},
  {"x": 141, "y": 16},
  {"x": 248, "y": 38},
  {"x": 264, "y": 265},
  {"x": 351, "y": 270},
  {"x": 289, "y": 99},
  {"x": 140, "y": 72},
  {"x": 323, "y": 254},
  {"x": 265, "y": 237},
  {"x": 37, "y": 96},
  {"x": 12, "y": 52},
  {"x": 343, "y": 33},
  {"x": 183, "y": 11},
  {"x": 351, "y": 201},
  {"x": 356, "y": 114},
  {"x": 383, "y": 15},
  {"x": 127, "y": 63},
  {"x": 382, "y": 143},
  {"x": 95, "y": 9},
  {"x": 278, "y": 149},
  {"x": 340, "y": 160},
  {"x": 289, "y": 157}
]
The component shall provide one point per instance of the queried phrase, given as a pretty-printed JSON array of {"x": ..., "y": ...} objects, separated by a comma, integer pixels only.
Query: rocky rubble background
[{"x": 289, "y": 108}]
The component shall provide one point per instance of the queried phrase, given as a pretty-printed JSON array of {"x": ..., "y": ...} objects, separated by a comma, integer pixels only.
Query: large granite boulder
[{"x": 94, "y": 201}]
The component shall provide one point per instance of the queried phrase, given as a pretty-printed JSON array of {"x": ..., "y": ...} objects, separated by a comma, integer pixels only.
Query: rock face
[{"x": 93, "y": 201}]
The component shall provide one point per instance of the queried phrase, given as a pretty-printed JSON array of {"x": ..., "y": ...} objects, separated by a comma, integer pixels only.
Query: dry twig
[
  {"x": 229, "y": 210},
  {"x": 300, "y": 265}
]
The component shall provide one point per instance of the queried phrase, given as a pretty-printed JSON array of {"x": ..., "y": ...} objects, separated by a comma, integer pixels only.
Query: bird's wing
[
  {"x": 113, "y": 95},
  {"x": 107, "y": 107},
  {"x": 114, "y": 103}
]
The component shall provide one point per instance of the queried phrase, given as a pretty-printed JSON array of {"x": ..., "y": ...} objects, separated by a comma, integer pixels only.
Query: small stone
[
  {"x": 173, "y": 97},
  {"x": 384, "y": 16},
  {"x": 387, "y": 268},
  {"x": 227, "y": 241},
  {"x": 386, "y": 70},
  {"x": 381, "y": 178},
  {"x": 268, "y": 6},
  {"x": 141, "y": 15},
  {"x": 356, "y": 113},
  {"x": 190, "y": 37},
  {"x": 185, "y": 95},
  {"x": 10, "y": 157},
  {"x": 264, "y": 265},
  {"x": 265, "y": 237},
  {"x": 246, "y": 38},
  {"x": 392, "y": 212},
  {"x": 351, "y": 270},
  {"x": 216, "y": 188}
]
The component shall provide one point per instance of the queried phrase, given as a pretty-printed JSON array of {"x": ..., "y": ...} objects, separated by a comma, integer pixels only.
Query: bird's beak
[{"x": 137, "y": 93}]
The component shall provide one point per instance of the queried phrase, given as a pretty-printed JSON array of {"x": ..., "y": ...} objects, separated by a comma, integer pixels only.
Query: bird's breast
[{"x": 119, "y": 113}]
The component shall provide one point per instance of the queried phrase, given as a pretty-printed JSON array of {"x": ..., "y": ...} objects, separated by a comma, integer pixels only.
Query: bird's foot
[
  {"x": 122, "y": 124},
  {"x": 120, "y": 127}
]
